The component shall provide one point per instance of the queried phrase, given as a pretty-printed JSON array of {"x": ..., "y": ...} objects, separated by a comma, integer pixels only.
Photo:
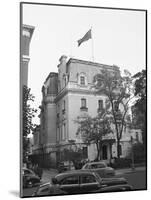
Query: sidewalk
[
  {"x": 48, "y": 174},
  {"x": 129, "y": 170}
]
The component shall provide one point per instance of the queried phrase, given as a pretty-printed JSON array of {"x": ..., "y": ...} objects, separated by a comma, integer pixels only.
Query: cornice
[
  {"x": 111, "y": 67},
  {"x": 74, "y": 91}
]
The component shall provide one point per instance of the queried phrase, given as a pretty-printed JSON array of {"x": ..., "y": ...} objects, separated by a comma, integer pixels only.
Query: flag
[{"x": 86, "y": 37}]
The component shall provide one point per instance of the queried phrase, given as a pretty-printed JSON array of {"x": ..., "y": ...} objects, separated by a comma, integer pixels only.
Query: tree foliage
[
  {"x": 119, "y": 92},
  {"x": 139, "y": 108},
  {"x": 28, "y": 115},
  {"x": 74, "y": 156},
  {"x": 92, "y": 129}
]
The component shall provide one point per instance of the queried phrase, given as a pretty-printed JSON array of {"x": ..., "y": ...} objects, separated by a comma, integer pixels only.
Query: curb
[{"x": 131, "y": 171}]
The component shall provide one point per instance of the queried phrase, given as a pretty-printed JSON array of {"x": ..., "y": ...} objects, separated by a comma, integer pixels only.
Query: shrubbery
[
  {"x": 139, "y": 153},
  {"x": 121, "y": 163}
]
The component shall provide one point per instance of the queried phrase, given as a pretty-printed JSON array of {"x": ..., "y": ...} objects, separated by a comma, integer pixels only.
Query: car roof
[
  {"x": 59, "y": 177},
  {"x": 92, "y": 163}
]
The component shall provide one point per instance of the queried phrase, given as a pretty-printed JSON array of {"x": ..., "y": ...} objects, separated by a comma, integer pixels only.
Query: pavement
[
  {"x": 49, "y": 173},
  {"x": 130, "y": 170}
]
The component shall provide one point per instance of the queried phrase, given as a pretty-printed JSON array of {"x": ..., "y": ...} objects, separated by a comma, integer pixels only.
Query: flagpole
[
  {"x": 70, "y": 44},
  {"x": 92, "y": 49}
]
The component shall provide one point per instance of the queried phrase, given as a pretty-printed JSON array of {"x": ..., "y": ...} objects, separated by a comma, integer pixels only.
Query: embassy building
[{"x": 66, "y": 96}]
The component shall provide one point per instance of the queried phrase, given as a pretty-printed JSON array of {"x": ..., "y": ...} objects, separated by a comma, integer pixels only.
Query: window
[
  {"x": 58, "y": 134},
  {"x": 63, "y": 131},
  {"x": 63, "y": 107},
  {"x": 96, "y": 166},
  {"x": 70, "y": 180},
  {"x": 85, "y": 152},
  {"x": 82, "y": 80},
  {"x": 100, "y": 104},
  {"x": 88, "y": 179},
  {"x": 83, "y": 103}
]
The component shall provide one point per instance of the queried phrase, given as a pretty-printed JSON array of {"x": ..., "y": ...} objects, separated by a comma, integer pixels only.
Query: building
[
  {"x": 26, "y": 35},
  {"x": 67, "y": 95}
]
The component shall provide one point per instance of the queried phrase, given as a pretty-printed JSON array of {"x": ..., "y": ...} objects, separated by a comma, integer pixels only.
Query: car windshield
[{"x": 99, "y": 165}]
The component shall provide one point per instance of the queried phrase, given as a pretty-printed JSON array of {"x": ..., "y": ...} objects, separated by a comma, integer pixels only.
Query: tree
[
  {"x": 93, "y": 129},
  {"x": 119, "y": 92},
  {"x": 28, "y": 114},
  {"x": 74, "y": 156},
  {"x": 138, "y": 151},
  {"x": 139, "y": 108}
]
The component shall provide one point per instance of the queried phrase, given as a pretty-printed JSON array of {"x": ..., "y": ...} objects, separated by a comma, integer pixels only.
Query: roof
[{"x": 112, "y": 67}]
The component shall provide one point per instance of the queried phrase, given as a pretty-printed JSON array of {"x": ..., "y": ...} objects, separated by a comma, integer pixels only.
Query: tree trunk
[
  {"x": 118, "y": 147},
  {"x": 98, "y": 151}
]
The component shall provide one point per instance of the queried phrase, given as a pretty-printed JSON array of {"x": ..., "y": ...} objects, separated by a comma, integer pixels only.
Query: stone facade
[
  {"x": 67, "y": 95},
  {"x": 26, "y": 35}
]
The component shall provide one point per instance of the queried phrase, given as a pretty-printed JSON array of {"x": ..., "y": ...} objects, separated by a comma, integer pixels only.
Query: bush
[
  {"x": 121, "y": 163},
  {"x": 139, "y": 153}
]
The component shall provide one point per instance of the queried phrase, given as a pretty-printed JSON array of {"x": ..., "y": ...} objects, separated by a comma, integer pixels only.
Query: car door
[
  {"x": 70, "y": 184},
  {"x": 97, "y": 168},
  {"x": 88, "y": 183}
]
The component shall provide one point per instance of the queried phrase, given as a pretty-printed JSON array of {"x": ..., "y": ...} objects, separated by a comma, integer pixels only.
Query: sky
[{"x": 118, "y": 37}]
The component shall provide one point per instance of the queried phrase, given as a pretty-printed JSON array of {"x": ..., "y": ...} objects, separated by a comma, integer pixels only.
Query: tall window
[
  {"x": 63, "y": 106},
  {"x": 83, "y": 103},
  {"x": 82, "y": 80},
  {"x": 64, "y": 131},
  {"x": 58, "y": 134},
  {"x": 100, "y": 104}
]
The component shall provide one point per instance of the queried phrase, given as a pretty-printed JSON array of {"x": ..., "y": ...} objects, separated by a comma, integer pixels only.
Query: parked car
[
  {"x": 79, "y": 182},
  {"x": 101, "y": 168},
  {"x": 29, "y": 178},
  {"x": 64, "y": 166}
]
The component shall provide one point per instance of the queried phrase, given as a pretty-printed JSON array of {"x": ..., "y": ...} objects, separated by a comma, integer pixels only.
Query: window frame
[
  {"x": 67, "y": 184},
  {"x": 83, "y": 103}
]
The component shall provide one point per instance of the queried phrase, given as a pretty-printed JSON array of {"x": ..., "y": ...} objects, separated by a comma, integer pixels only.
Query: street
[{"x": 136, "y": 178}]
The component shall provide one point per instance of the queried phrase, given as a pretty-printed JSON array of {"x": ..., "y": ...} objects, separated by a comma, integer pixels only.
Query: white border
[{"x": 9, "y": 100}]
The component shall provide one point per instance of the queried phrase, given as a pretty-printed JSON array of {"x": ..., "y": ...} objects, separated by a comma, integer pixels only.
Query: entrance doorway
[{"x": 104, "y": 152}]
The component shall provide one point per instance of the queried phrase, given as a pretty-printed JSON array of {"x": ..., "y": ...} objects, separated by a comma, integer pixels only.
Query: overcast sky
[{"x": 118, "y": 38}]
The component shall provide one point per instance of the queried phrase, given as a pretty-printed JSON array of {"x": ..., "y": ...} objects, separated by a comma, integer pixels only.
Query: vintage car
[
  {"x": 80, "y": 182},
  {"x": 30, "y": 179},
  {"x": 100, "y": 167}
]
